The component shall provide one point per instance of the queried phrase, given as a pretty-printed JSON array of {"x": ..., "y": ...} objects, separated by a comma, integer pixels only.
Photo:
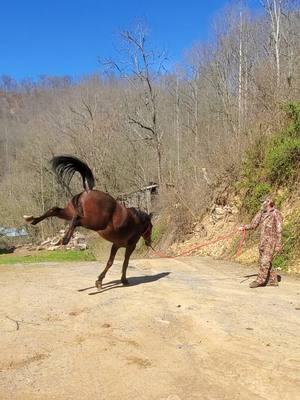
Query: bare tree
[
  {"x": 274, "y": 9},
  {"x": 142, "y": 69}
]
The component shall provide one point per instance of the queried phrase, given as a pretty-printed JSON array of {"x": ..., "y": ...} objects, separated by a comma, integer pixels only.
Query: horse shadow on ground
[{"x": 133, "y": 281}]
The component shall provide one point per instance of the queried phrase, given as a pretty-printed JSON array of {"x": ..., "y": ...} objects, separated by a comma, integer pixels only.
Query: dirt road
[{"x": 183, "y": 330}]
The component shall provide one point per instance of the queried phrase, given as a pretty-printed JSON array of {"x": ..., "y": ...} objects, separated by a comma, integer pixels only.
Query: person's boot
[
  {"x": 272, "y": 283},
  {"x": 273, "y": 280},
  {"x": 255, "y": 284}
]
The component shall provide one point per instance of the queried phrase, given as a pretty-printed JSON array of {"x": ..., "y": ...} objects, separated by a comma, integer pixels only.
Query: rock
[
  {"x": 48, "y": 240},
  {"x": 51, "y": 248},
  {"x": 219, "y": 210},
  {"x": 77, "y": 242},
  {"x": 234, "y": 210},
  {"x": 55, "y": 241}
]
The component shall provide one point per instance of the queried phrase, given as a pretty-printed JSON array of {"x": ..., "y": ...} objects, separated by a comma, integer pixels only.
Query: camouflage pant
[{"x": 266, "y": 272}]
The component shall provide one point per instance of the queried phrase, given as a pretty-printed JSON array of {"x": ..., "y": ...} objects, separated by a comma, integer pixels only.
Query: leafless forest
[{"x": 140, "y": 120}]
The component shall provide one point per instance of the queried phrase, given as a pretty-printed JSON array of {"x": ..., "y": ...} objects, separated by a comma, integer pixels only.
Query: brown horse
[{"x": 99, "y": 212}]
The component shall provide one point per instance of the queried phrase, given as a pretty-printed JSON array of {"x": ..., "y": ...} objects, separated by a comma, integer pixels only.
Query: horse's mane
[{"x": 141, "y": 214}]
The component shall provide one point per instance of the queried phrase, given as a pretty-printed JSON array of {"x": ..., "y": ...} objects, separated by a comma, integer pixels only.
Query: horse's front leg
[
  {"x": 128, "y": 252},
  {"x": 110, "y": 262},
  {"x": 53, "y": 212}
]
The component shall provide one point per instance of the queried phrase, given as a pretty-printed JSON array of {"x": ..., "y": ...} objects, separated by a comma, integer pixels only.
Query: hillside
[{"x": 271, "y": 167}]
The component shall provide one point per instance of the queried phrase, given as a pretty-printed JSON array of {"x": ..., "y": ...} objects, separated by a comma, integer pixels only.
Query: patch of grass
[
  {"x": 3, "y": 242},
  {"x": 158, "y": 230},
  {"x": 281, "y": 196},
  {"x": 293, "y": 110},
  {"x": 281, "y": 261},
  {"x": 291, "y": 243},
  {"x": 282, "y": 152},
  {"x": 48, "y": 256},
  {"x": 282, "y": 160}
]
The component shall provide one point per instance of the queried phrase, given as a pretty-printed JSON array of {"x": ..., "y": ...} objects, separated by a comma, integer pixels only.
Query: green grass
[
  {"x": 158, "y": 231},
  {"x": 291, "y": 243},
  {"x": 272, "y": 164},
  {"x": 282, "y": 160},
  {"x": 48, "y": 256}
]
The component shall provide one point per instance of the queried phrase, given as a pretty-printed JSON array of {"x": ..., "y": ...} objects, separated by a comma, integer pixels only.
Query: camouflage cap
[
  {"x": 265, "y": 198},
  {"x": 262, "y": 199}
]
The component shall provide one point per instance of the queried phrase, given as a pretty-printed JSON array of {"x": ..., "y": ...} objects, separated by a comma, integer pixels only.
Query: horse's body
[{"x": 100, "y": 212}]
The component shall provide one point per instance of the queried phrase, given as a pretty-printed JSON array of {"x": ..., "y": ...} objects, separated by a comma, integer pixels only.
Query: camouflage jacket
[{"x": 271, "y": 227}]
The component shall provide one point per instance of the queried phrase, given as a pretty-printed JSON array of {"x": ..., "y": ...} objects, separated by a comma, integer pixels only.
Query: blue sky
[{"x": 68, "y": 37}]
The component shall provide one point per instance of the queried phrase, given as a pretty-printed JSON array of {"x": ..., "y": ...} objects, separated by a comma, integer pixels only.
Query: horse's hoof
[
  {"x": 64, "y": 241},
  {"x": 28, "y": 218},
  {"x": 125, "y": 282},
  {"x": 98, "y": 285}
]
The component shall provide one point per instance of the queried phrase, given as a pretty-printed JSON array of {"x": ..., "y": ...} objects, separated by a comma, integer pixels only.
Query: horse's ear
[{"x": 150, "y": 215}]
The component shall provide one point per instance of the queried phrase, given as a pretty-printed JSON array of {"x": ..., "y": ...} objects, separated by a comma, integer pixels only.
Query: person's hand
[{"x": 242, "y": 228}]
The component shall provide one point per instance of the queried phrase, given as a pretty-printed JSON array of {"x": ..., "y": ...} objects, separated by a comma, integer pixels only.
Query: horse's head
[
  {"x": 147, "y": 228},
  {"x": 144, "y": 224}
]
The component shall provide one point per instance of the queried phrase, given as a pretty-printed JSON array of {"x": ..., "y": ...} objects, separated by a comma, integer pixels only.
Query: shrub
[
  {"x": 272, "y": 162},
  {"x": 291, "y": 243},
  {"x": 253, "y": 196},
  {"x": 282, "y": 160},
  {"x": 293, "y": 110},
  {"x": 3, "y": 244}
]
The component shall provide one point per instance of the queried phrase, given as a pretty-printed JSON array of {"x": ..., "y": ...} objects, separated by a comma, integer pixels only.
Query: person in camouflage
[{"x": 270, "y": 220}]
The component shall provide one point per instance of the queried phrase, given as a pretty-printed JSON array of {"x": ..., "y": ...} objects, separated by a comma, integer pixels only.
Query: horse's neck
[{"x": 120, "y": 215}]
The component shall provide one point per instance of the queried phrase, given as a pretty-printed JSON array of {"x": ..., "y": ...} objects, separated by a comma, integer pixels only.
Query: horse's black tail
[{"x": 66, "y": 166}]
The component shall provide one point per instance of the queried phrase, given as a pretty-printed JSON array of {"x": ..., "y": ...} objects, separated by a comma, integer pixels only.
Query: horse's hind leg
[
  {"x": 129, "y": 251},
  {"x": 110, "y": 262},
  {"x": 53, "y": 212},
  {"x": 75, "y": 221}
]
